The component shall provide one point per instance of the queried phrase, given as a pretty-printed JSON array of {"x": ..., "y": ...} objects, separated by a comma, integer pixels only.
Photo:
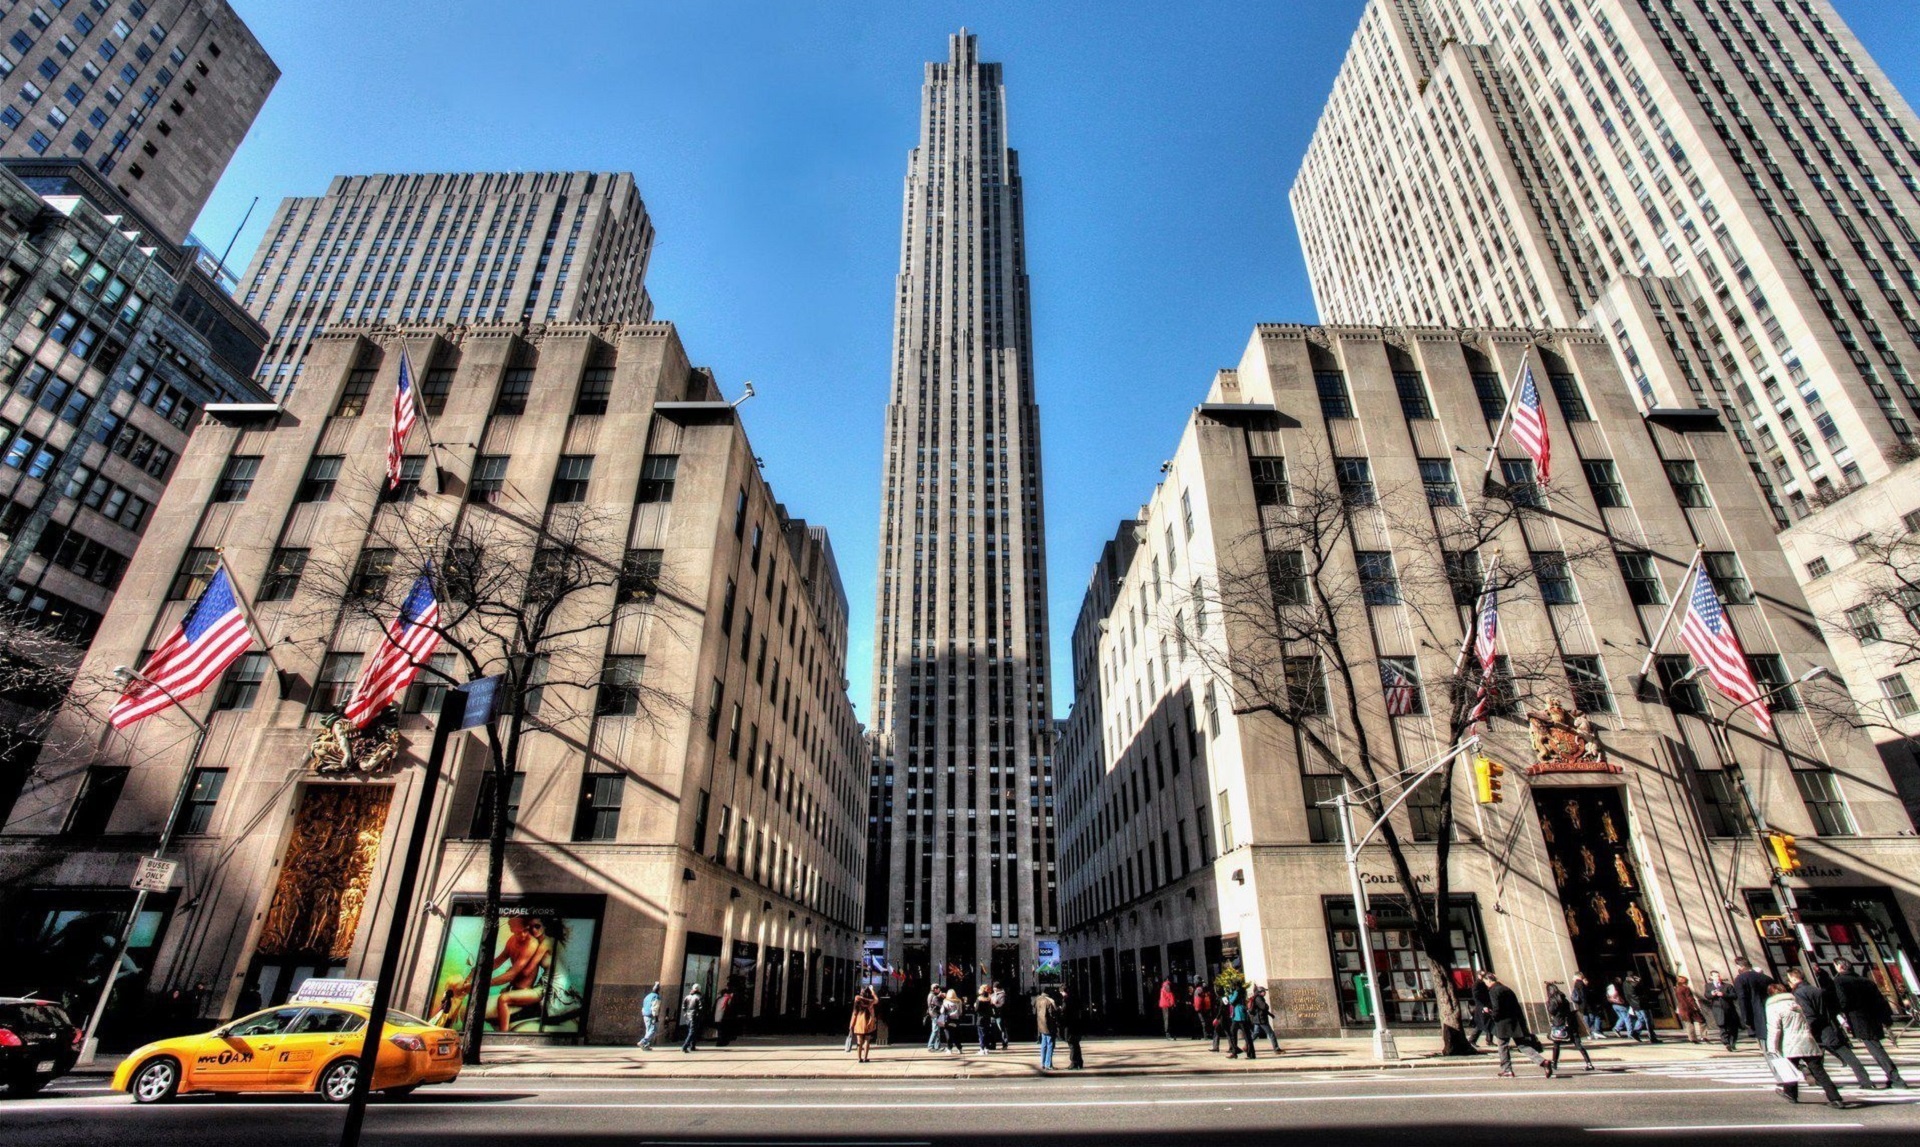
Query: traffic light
[
  {"x": 1786, "y": 857},
  {"x": 1486, "y": 780}
]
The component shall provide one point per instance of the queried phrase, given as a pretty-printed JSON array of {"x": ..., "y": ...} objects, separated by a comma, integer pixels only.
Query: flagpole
[
  {"x": 1473, "y": 628},
  {"x": 246, "y": 608},
  {"x": 1685, "y": 591},
  {"x": 1506, "y": 416}
]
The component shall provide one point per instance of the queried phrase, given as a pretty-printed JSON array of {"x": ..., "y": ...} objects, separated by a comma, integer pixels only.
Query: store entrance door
[{"x": 1602, "y": 897}]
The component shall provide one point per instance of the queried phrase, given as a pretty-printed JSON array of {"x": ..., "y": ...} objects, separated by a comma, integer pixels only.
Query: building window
[
  {"x": 570, "y": 479},
  {"x": 1682, "y": 690},
  {"x": 1334, "y": 400},
  {"x": 1729, "y": 580},
  {"x": 237, "y": 479},
  {"x": 1642, "y": 580},
  {"x": 196, "y": 570},
  {"x": 596, "y": 387},
  {"x": 1270, "y": 482},
  {"x": 1770, "y": 673},
  {"x": 515, "y": 385},
  {"x": 202, "y": 798},
  {"x": 599, "y": 817},
  {"x": 1436, "y": 475},
  {"x": 482, "y": 826},
  {"x": 435, "y": 388},
  {"x": 1323, "y": 822},
  {"x": 1604, "y": 481},
  {"x": 1573, "y": 404},
  {"x": 1379, "y": 583},
  {"x": 1523, "y": 488},
  {"x": 241, "y": 682},
  {"x": 1587, "y": 681},
  {"x": 489, "y": 480},
  {"x": 1424, "y": 805},
  {"x": 716, "y": 697},
  {"x": 1503, "y": 699},
  {"x": 353, "y": 396},
  {"x": 1898, "y": 695},
  {"x": 619, "y": 694},
  {"x": 99, "y": 793},
  {"x": 335, "y": 681},
  {"x": 1464, "y": 576},
  {"x": 283, "y": 574},
  {"x": 372, "y": 572},
  {"x": 1226, "y": 822},
  {"x": 640, "y": 575},
  {"x": 1684, "y": 476},
  {"x": 1720, "y": 804},
  {"x": 323, "y": 474},
  {"x": 1555, "y": 580},
  {"x": 1821, "y": 794},
  {"x": 1213, "y": 711},
  {"x": 1287, "y": 578},
  {"x": 1186, "y": 512},
  {"x": 407, "y": 488},
  {"x": 1400, "y": 685},
  {"x": 657, "y": 476},
  {"x": 1412, "y": 389},
  {"x": 428, "y": 691},
  {"x": 1355, "y": 476},
  {"x": 1306, "y": 685},
  {"x": 1817, "y": 569},
  {"x": 1863, "y": 624}
]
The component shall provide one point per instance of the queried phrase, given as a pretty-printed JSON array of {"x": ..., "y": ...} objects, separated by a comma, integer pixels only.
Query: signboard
[
  {"x": 483, "y": 700},
  {"x": 316, "y": 990},
  {"x": 152, "y": 875},
  {"x": 1773, "y": 929},
  {"x": 1047, "y": 960},
  {"x": 538, "y": 978}
]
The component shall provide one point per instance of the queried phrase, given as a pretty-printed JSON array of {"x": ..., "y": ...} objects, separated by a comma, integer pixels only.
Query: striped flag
[
  {"x": 1710, "y": 639},
  {"x": 410, "y": 640},
  {"x": 1486, "y": 647},
  {"x": 1530, "y": 424},
  {"x": 405, "y": 410},
  {"x": 211, "y": 637},
  {"x": 1403, "y": 694}
]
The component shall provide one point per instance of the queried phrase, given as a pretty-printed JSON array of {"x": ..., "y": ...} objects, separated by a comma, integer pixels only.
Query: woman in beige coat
[{"x": 1787, "y": 1037}]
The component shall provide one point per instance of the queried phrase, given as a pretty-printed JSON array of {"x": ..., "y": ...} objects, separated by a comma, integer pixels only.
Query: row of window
[
  {"x": 516, "y": 386},
  {"x": 1271, "y": 486},
  {"x": 1336, "y": 401}
]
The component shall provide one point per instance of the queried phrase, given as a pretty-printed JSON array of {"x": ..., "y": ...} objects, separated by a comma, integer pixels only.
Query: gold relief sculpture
[
  {"x": 1561, "y": 735},
  {"x": 338, "y": 747},
  {"x": 1559, "y": 872},
  {"x": 1620, "y": 870},
  {"x": 325, "y": 873},
  {"x": 1546, "y": 830},
  {"x": 1599, "y": 905},
  {"x": 1573, "y": 814},
  {"x": 1611, "y": 834},
  {"x": 1573, "y": 921},
  {"x": 1639, "y": 919},
  {"x": 1587, "y": 865}
]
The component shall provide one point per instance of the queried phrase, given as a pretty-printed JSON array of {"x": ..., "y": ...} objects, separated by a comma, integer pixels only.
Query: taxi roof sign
[{"x": 324, "y": 991}]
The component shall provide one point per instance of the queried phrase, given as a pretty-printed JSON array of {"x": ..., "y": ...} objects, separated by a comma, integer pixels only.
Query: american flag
[
  {"x": 211, "y": 637},
  {"x": 1708, "y": 637},
  {"x": 1402, "y": 692},
  {"x": 1530, "y": 424},
  {"x": 410, "y": 640},
  {"x": 405, "y": 410},
  {"x": 1486, "y": 648}
]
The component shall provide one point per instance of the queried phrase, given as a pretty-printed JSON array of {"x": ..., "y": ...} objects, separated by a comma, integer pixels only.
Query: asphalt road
[{"x": 1692, "y": 1103}]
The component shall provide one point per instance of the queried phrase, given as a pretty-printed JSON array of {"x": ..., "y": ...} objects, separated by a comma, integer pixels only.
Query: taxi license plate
[
  {"x": 44, "y": 1067},
  {"x": 445, "y": 1049}
]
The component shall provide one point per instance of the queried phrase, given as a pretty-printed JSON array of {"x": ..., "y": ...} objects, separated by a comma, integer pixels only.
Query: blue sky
[{"x": 770, "y": 141}]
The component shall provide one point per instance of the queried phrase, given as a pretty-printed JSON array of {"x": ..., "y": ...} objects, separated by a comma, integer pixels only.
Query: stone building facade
[
  {"x": 1196, "y": 835},
  {"x": 690, "y": 790}
]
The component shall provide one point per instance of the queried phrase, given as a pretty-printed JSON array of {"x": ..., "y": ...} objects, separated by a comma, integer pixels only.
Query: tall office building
[
  {"x": 963, "y": 776},
  {"x": 154, "y": 96},
  {"x": 1726, "y": 191},
  {"x": 460, "y": 249}
]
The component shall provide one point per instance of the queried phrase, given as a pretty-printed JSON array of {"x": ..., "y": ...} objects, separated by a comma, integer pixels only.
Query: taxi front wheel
[
  {"x": 157, "y": 1081},
  {"x": 336, "y": 1083}
]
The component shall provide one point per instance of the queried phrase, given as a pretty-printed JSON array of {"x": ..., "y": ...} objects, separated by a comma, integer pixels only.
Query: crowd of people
[{"x": 1057, "y": 1019}]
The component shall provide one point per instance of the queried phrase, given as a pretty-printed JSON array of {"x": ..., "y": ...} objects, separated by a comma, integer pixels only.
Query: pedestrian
[
  {"x": 1073, "y": 1015},
  {"x": 1750, "y": 991},
  {"x": 1637, "y": 1008},
  {"x": 1482, "y": 1013},
  {"x": 1565, "y": 1022},
  {"x": 1784, "y": 1034},
  {"x": 865, "y": 1020},
  {"x": 1168, "y": 1002},
  {"x": 1203, "y": 1011},
  {"x": 723, "y": 1013},
  {"x": 1867, "y": 1012},
  {"x": 935, "y": 997},
  {"x": 1509, "y": 1028},
  {"x": 1622, "y": 1018},
  {"x": 650, "y": 1016},
  {"x": 1817, "y": 1007},
  {"x": 1262, "y": 1012},
  {"x": 1217, "y": 1019},
  {"x": 999, "y": 1001},
  {"x": 1720, "y": 1005},
  {"x": 691, "y": 1010},
  {"x": 1580, "y": 994},
  {"x": 950, "y": 1012},
  {"x": 983, "y": 1018},
  {"x": 1240, "y": 1021},
  {"x": 1686, "y": 1009},
  {"x": 1045, "y": 1013}
]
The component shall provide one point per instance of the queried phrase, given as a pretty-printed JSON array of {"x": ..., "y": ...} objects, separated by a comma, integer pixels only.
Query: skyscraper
[
  {"x": 1727, "y": 192},
  {"x": 962, "y": 784},
  {"x": 459, "y": 248}
]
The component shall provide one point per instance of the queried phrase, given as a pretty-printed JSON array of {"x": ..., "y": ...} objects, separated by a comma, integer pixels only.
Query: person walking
[
  {"x": 1482, "y": 1013},
  {"x": 1168, "y": 1002},
  {"x": 1509, "y": 1027},
  {"x": 1240, "y": 1019},
  {"x": 999, "y": 1001},
  {"x": 692, "y": 1011},
  {"x": 1818, "y": 1010},
  {"x": 1637, "y": 1008},
  {"x": 1686, "y": 1009},
  {"x": 1072, "y": 1015},
  {"x": 865, "y": 1020},
  {"x": 1202, "y": 999},
  {"x": 935, "y": 997},
  {"x": 723, "y": 1016},
  {"x": 650, "y": 1016},
  {"x": 1218, "y": 1020},
  {"x": 1783, "y": 1033},
  {"x": 1750, "y": 991},
  {"x": 1622, "y": 1017},
  {"x": 950, "y": 1012},
  {"x": 1867, "y": 1013},
  {"x": 1045, "y": 1011},
  {"x": 1581, "y": 995},
  {"x": 1720, "y": 1005},
  {"x": 1565, "y": 1022},
  {"x": 1262, "y": 1012},
  {"x": 983, "y": 1018}
]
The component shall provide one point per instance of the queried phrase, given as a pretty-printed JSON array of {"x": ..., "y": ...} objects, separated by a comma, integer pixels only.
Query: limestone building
[
  {"x": 961, "y": 795},
  {"x": 153, "y": 95},
  {"x": 1196, "y": 833},
  {"x": 1727, "y": 193},
  {"x": 448, "y": 249}
]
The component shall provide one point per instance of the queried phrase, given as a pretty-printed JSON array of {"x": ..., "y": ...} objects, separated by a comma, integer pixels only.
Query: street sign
[
  {"x": 1773, "y": 929},
  {"x": 153, "y": 875},
  {"x": 483, "y": 700}
]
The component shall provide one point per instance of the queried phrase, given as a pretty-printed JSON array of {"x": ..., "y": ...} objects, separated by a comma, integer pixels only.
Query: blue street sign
[{"x": 483, "y": 698}]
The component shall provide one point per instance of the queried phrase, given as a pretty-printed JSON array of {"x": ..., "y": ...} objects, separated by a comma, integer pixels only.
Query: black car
[{"x": 38, "y": 1044}]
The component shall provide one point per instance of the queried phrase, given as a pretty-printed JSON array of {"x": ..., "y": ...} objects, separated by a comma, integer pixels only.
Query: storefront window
[
  {"x": 1406, "y": 979},
  {"x": 542, "y": 966},
  {"x": 1862, "y": 926}
]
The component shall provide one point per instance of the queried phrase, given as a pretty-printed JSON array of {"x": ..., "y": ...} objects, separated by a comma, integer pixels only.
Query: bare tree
[
  {"x": 39, "y": 673},
  {"x": 1294, "y": 642},
  {"x": 1883, "y": 612},
  {"x": 527, "y": 593}
]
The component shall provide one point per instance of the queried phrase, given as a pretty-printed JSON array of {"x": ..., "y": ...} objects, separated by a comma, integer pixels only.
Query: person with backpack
[
  {"x": 999, "y": 1002},
  {"x": 650, "y": 1016},
  {"x": 692, "y": 1011}
]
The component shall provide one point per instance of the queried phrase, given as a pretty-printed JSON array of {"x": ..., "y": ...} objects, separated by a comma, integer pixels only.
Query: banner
[{"x": 541, "y": 974}]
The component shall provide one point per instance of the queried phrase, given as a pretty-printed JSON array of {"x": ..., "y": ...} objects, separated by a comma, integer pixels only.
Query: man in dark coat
[
  {"x": 1749, "y": 1001},
  {"x": 1509, "y": 1024},
  {"x": 1818, "y": 1009},
  {"x": 1482, "y": 1016},
  {"x": 1865, "y": 1006}
]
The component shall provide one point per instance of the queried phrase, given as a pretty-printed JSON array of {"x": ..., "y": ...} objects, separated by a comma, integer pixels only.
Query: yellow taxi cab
[{"x": 297, "y": 1047}]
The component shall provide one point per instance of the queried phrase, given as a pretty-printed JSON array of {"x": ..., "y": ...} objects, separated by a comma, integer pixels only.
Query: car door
[
  {"x": 316, "y": 1039},
  {"x": 237, "y": 1057}
]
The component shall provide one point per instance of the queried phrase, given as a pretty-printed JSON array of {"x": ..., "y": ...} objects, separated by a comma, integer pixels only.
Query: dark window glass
[
  {"x": 1270, "y": 482},
  {"x": 353, "y": 396},
  {"x": 482, "y": 826},
  {"x": 515, "y": 385},
  {"x": 434, "y": 389},
  {"x": 1604, "y": 481},
  {"x": 1355, "y": 477},
  {"x": 1334, "y": 400},
  {"x": 196, "y": 570},
  {"x": 236, "y": 481},
  {"x": 1729, "y": 580},
  {"x": 1684, "y": 477},
  {"x": 1464, "y": 575},
  {"x": 372, "y": 572},
  {"x": 323, "y": 474},
  {"x": 599, "y": 817},
  {"x": 412, "y": 468},
  {"x": 1573, "y": 404},
  {"x": 1556, "y": 582},
  {"x": 1821, "y": 795},
  {"x": 570, "y": 478},
  {"x": 1306, "y": 685},
  {"x": 1287, "y": 577},
  {"x": 1587, "y": 680},
  {"x": 241, "y": 683},
  {"x": 489, "y": 479},
  {"x": 596, "y": 387},
  {"x": 1436, "y": 475},
  {"x": 1523, "y": 488},
  {"x": 1770, "y": 673},
  {"x": 1413, "y": 394},
  {"x": 1379, "y": 583},
  {"x": 1323, "y": 822},
  {"x": 619, "y": 694},
  {"x": 204, "y": 796},
  {"x": 1643, "y": 581},
  {"x": 640, "y": 574},
  {"x": 1720, "y": 804},
  {"x": 1682, "y": 691},
  {"x": 656, "y": 477},
  {"x": 335, "y": 681},
  {"x": 99, "y": 793}
]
